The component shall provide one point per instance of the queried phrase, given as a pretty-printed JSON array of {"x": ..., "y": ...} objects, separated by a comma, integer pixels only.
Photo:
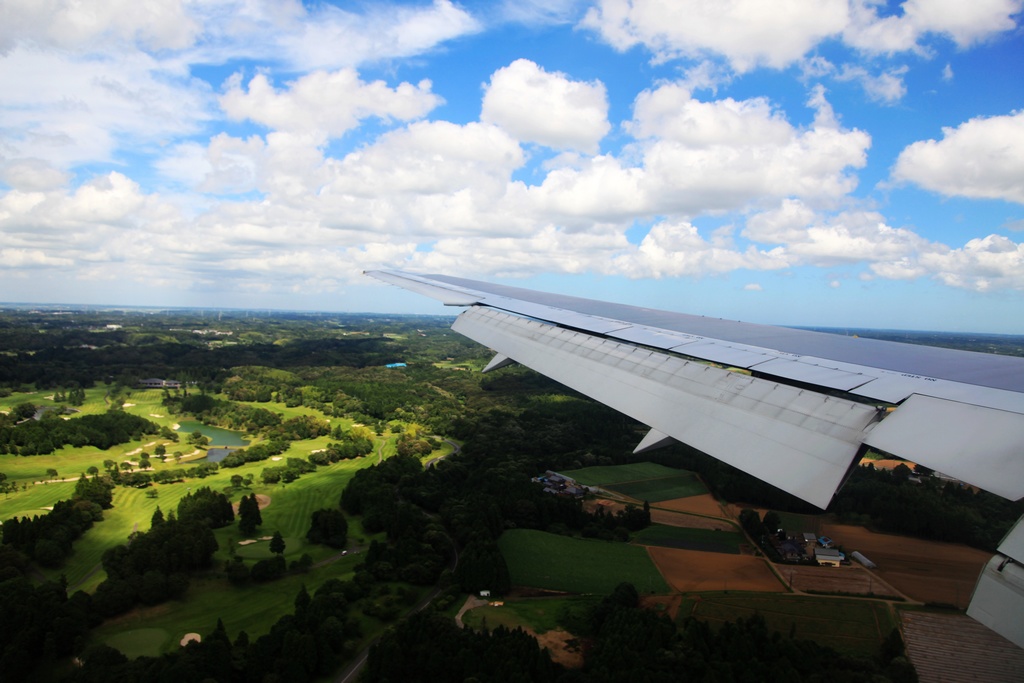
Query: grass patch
[
  {"x": 539, "y": 614},
  {"x": 851, "y": 626},
  {"x": 641, "y": 480},
  {"x": 606, "y": 475},
  {"x": 141, "y": 642},
  {"x": 707, "y": 540},
  {"x": 252, "y": 608},
  {"x": 552, "y": 562},
  {"x": 657, "y": 490}
]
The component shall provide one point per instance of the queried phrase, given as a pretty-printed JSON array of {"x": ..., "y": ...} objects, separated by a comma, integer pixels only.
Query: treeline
[
  {"x": 58, "y": 366},
  {"x": 888, "y": 500},
  {"x": 50, "y": 432},
  {"x": 624, "y": 642}
]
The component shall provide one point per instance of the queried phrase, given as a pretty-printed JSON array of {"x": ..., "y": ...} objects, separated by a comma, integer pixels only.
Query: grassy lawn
[
  {"x": 606, "y": 475},
  {"x": 641, "y": 480},
  {"x": 252, "y": 608},
  {"x": 540, "y": 614},
  {"x": 853, "y": 626},
  {"x": 706, "y": 540},
  {"x": 657, "y": 490},
  {"x": 542, "y": 560}
]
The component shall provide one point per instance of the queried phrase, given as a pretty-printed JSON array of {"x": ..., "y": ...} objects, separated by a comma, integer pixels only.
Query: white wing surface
[{"x": 792, "y": 407}]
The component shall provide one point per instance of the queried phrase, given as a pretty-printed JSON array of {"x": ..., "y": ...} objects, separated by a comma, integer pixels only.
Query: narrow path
[{"x": 351, "y": 671}]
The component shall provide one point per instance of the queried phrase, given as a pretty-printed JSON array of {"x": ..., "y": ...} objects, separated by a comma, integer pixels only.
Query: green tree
[
  {"x": 6, "y": 487},
  {"x": 51, "y": 473},
  {"x": 277, "y": 543},
  {"x": 249, "y": 516}
]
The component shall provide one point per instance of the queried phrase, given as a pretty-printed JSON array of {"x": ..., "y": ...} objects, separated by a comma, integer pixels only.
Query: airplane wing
[{"x": 795, "y": 408}]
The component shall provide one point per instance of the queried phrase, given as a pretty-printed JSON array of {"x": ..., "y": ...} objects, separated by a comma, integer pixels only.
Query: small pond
[{"x": 217, "y": 436}]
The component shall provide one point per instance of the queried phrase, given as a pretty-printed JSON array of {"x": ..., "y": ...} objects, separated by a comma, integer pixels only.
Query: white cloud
[
  {"x": 329, "y": 103},
  {"x": 548, "y": 249},
  {"x": 676, "y": 249},
  {"x": 30, "y": 259},
  {"x": 328, "y": 36},
  {"x": 92, "y": 24},
  {"x": 847, "y": 237},
  {"x": 746, "y": 32},
  {"x": 981, "y": 158},
  {"x": 670, "y": 113},
  {"x": 31, "y": 174},
  {"x": 965, "y": 23},
  {"x": 993, "y": 262},
  {"x": 887, "y": 87},
  {"x": 752, "y": 33},
  {"x": 695, "y": 157},
  {"x": 64, "y": 110},
  {"x": 753, "y": 287},
  {"x": 547, "y": 108}
]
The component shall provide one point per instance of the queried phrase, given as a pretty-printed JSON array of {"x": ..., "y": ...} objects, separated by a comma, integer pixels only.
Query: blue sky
[{"x": 843, "y": 163}]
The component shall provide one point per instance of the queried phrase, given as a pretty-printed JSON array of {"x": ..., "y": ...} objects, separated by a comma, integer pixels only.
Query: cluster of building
[
  {"x": 806, "y": 546},
  {"x": 157, "y": 383},
  {"x": 561, "y": 485}
]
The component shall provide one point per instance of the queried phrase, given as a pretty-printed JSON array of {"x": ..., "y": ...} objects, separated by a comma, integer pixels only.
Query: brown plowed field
[
  {"x": 854, "y": 580},
  {"x": 692, "y": 570},
  {"x": 953, "y": 648},
  {"x": 689, "y": 521},
  {"x": 702, "y": 505},
  {"x": 928, "y": 571}
]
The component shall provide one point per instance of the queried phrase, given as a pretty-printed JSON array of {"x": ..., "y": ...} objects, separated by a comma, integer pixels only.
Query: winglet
[
  {"x": 499, "y": 361},
  {"x": 653, "y": 441}
]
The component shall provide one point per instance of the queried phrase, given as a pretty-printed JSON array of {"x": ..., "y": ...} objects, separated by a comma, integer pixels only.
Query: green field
[
  {"x": 548, "y": 561},
  {"x": 852, "y": 626},
  {"x": 657, "y": 490},
  {"x": 641, "y": 480},
  {"x": 607, "y": 475},
  {"x": 706, "y": 540},
  {"x": 539, "y": 614}
]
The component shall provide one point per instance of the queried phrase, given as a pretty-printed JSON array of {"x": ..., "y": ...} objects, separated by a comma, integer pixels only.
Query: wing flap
[
  {"x": 798, "y": 440},
  {"x": 947, "y": 436}
]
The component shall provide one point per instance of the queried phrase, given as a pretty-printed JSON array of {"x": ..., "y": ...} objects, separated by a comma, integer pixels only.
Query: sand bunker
[
  {"x": 248, "y": 542},
  {"x": 191, "y": 637}
]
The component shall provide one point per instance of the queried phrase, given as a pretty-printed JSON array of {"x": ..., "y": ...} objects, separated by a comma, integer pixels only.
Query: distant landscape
[{"x": 387, "y": 494}]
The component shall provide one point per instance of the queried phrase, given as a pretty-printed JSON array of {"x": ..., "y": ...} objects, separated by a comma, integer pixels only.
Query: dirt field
[
  {"x": 854, "y": 579},
  {"x": 691, "y": 570},
  {"x": 928, "y": 571},
  {"x": 688, "y": 521},
  {"x": 702, "y": 505},
  {"x": 563, "y": 647}
]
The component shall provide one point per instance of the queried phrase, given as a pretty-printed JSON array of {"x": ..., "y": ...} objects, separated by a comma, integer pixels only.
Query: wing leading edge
[{"x": 792, "y": 407}]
